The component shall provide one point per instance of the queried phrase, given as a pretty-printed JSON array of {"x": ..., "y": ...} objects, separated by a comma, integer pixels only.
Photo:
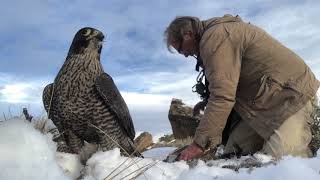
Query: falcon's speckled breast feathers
[{"x": 84, "y": 103}]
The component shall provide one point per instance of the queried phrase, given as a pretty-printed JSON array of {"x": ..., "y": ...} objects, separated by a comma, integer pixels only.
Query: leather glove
[{"x": 192, "y": 151}]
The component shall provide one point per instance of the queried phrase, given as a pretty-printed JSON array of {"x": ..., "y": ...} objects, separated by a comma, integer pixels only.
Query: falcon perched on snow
[{"x": 84, "y": 103}]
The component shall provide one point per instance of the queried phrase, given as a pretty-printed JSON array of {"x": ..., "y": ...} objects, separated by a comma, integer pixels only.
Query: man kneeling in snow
[{"x": 268, "y": 85}]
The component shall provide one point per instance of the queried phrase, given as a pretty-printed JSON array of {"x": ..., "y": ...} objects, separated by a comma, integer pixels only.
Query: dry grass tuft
[
  {"x": 166, "y": 138},
  {"x": 41, "y": 125},
  {"x": 182, "y": 142}
]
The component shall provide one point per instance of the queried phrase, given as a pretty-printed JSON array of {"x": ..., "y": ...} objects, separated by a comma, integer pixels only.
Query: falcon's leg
[
  {"x": 60, "y": 138},
  {"x": 74, "y": 142},
  {"x": 62, "y": 145}
]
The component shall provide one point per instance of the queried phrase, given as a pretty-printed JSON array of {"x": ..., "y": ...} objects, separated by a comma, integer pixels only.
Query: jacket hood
[{"x": 202, "y": 26}]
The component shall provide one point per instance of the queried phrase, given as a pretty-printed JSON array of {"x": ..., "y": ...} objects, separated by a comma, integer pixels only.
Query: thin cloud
[
  {"x": 34, "y": 46},
  {"x": 15, "y": 89}
]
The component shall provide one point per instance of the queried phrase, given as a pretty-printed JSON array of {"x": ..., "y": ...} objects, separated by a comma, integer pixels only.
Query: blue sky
[{"x": 35, "y": 37}]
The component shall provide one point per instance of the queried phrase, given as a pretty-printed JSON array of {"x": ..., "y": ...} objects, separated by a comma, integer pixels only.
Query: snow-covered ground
[{"x": 25, "y": 153}]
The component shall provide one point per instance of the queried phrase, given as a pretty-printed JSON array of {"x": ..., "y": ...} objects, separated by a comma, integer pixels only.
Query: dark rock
[
  {"x": 143, "y": 141},
  {"x": 182, "y": 121}
]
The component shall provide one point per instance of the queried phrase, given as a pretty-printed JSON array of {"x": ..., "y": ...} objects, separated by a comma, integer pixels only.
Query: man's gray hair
[{"x": 177, "y": 28}]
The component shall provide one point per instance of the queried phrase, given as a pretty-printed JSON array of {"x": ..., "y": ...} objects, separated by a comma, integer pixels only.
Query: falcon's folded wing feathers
[{"x": 111, "y": 95}]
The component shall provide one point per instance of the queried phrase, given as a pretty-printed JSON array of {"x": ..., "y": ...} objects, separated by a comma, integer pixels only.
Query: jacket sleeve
[{"x": 222, "y": 61}]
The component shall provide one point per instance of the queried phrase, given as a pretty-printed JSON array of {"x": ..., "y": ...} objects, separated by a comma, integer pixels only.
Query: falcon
[{"x": 84, "y": 102}]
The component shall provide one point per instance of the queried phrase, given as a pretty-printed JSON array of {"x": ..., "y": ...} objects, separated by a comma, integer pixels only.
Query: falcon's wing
[
  {"x": 46, "y": 96},
  {"x": 111, "y": 95}
]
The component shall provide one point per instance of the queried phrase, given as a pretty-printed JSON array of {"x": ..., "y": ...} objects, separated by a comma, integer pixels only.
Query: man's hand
[
  {"x": 199, "y": 106},
  {"x": 192, "y": 151}
]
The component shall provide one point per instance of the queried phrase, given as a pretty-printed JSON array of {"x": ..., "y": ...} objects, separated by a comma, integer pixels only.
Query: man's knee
[{"x": 293, "y": 136}]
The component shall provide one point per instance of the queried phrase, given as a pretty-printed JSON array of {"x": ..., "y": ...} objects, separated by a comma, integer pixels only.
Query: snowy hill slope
[{"x": 25, "y": 153}]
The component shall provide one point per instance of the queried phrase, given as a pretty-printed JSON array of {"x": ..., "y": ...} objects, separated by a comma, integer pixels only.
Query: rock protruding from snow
[
  {"x": 143, "y": 141},
  {"x": 182, "y": 121}
]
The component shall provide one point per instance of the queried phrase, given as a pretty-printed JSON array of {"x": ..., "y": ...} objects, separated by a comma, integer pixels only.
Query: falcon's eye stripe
[{"x": 87, "y": 32}]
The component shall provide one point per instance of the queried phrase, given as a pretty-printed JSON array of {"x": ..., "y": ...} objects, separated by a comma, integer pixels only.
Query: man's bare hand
[{"x": 192, "y": 151}]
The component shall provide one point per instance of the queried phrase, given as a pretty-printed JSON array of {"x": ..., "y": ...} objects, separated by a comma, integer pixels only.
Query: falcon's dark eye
[{"x": 86, "y": 32}]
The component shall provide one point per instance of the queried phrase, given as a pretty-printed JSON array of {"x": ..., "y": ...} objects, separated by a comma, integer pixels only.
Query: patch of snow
[
  {"x": 70, "y": 164},
  {"x": 25, "y": 153},
  {"x": 158, "y": 153},
  {"x": 107, "y": 164},
  {"x": 103, "y": 164}
]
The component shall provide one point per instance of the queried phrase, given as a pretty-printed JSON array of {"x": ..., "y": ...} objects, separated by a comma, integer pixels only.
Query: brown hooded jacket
[{"x": 250, "y": 71}]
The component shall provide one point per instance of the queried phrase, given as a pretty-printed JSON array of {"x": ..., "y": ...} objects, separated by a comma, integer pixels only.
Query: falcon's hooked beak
[{"x": 100, "y": 36}]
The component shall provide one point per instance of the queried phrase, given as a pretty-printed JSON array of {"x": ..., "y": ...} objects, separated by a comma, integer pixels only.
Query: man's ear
[{"x": 188, "y": 35}]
